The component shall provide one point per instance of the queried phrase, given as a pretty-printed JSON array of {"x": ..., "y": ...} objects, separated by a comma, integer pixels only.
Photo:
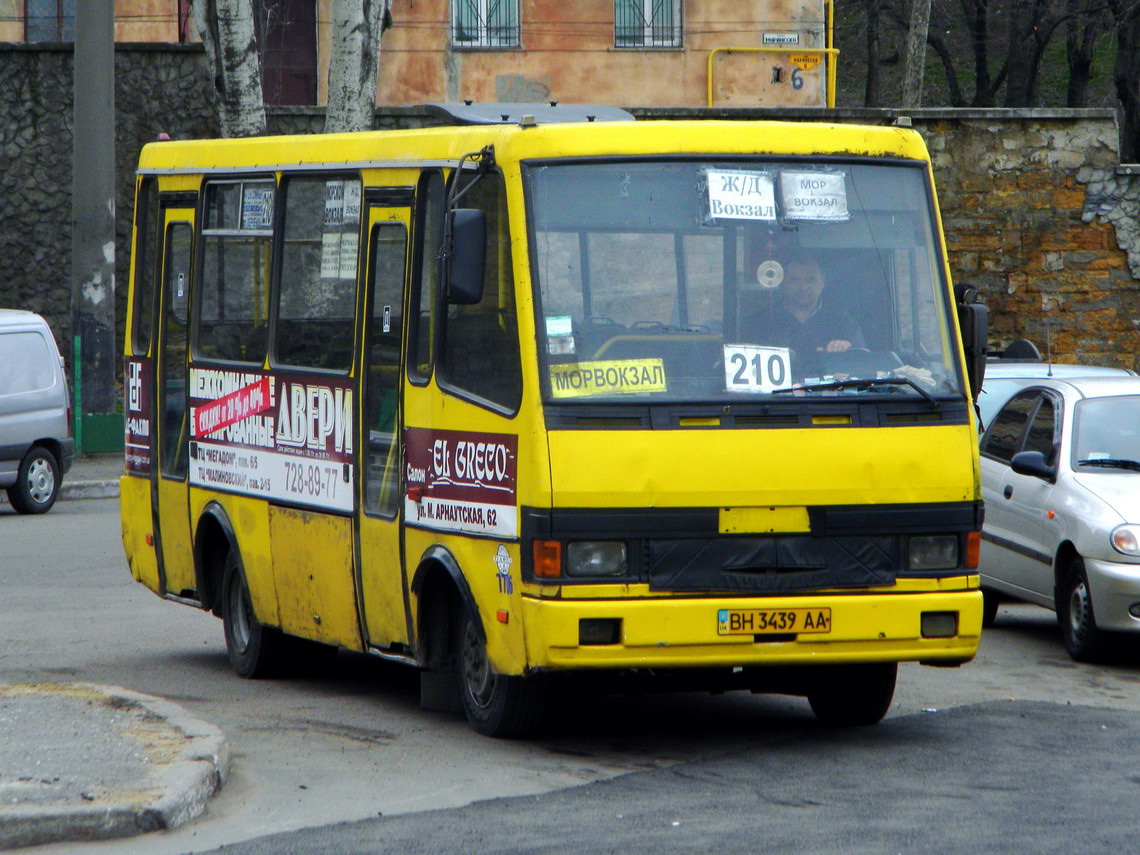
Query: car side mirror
[
  {"x": 1033, "y": 463},
  {"x": 467, "y": 231}
]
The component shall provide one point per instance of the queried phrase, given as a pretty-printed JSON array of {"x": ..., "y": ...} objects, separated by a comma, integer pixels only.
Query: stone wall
[
  {"x": 157, "y": 89},
  {"x": 1038, "y": 213},
  {"x": 1041, "y": 218}
]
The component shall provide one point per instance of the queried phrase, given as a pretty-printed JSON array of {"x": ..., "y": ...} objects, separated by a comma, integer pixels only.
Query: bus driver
[{"x": 801, "y": 318}]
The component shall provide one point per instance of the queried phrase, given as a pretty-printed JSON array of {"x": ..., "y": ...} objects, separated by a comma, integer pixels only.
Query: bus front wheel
[
  {"x": 495, "y": 704},
  {"x": 254, "y": 650},
  {"x": 847, "y": 695}
]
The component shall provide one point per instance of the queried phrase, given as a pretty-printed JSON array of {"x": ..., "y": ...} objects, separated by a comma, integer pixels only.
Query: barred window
[
  {"x": 485, "y": 23},
  {"x": 647, "y": 23},
  {"x": 49, "y": 21}
]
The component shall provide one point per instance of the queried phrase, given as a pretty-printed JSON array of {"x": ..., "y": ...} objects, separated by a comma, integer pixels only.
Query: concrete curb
[
  {"x": 89, "y": 490},
  {"x": 187, "y": 761}
]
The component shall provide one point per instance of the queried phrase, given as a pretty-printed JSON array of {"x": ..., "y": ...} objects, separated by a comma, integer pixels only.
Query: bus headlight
[
  {"x": 1126, "y": 539},
  {"x": 933, "y": 552},
  {"x": 596, "y": 558}
]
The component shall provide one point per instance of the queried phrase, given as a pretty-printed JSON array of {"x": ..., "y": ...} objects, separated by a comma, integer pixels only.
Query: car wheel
[
  {"x": 1083, "y": 639},
  {"x": 990, "y": 603},
  {"x": 37, "y": 483},
  {"x": 495, "y": 704},
  {"x": 254, "y": 651},
  {"x": 848, "y": 695}
]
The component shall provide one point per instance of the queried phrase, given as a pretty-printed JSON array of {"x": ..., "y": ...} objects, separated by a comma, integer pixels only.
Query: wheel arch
[
  {"x": 213, "y": 538},
  {"x": 1066, "y": 552},
  {"x": 441, "y": 592}
]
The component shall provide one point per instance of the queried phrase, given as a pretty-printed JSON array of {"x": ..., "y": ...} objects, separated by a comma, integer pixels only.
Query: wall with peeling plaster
[{"x": 1038, "y": 213}]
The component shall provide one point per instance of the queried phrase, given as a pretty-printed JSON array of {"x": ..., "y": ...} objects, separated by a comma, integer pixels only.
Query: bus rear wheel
[
  {"x": 495, "y": 704},
  {"x": 254, "y": 651},
  {"x": 850, "y": 695}
]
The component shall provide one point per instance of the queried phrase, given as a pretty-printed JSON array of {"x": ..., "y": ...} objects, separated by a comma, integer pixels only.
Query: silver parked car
[
  {"x": 36, "y": 447},
  {"x": 1061, "y": 484},
  {"x": 1003, "y": 378}
]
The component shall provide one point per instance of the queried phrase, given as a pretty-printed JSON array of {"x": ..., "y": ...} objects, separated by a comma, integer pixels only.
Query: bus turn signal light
[
  {"x": 973, "y": 549},
  {"x": 547, "y": 559}
]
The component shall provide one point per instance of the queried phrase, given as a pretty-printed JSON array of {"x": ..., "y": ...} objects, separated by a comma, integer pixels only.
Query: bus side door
[
  {"x": 382, "y": 574},
  {"x": 171, "y": 494}
]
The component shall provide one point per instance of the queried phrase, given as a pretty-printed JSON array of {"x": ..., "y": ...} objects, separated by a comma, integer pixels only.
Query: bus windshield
[{"x": 737, "y": 280}]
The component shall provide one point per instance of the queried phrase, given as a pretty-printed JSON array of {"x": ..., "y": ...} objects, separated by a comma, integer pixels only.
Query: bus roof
[{"x": 515, "y": 142}]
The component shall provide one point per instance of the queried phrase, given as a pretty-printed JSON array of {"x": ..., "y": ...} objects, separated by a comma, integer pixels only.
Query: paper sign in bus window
[
  {"x": 257, "y": 208},
  {"x": 814, "y": 195},
  {"x": 560, "y": 335},
  {"x": 330, "y": 255},
  {"x": 607, "y": 377},
  {"x": 334, "y": 203},
  {"x": 739, "y": 195},
  {"x": 754, "y": 369}
]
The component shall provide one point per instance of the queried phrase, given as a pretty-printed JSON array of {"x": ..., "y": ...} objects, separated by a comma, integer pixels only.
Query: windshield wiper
[
  {"x": 1111, "y": 463},
  {"x": 854, "y": 384}
]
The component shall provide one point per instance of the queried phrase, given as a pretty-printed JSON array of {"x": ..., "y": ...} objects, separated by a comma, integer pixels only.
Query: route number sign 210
[{"x": 751, "y": 368}]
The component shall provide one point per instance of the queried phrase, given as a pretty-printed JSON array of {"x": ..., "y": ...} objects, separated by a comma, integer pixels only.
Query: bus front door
[
  {"x": 382, "y": 574},
  {"x": 171, "y": 495}
]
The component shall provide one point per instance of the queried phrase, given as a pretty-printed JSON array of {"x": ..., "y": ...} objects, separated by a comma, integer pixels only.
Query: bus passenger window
[
  {"x": 237, "y": 233},
  {"x": 315, "y": 302},
  {"x": 480, "y": 342},
  {"x": 148, "y": 219}
]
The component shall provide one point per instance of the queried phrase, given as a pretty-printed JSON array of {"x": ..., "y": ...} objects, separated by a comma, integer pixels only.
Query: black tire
[
  {"x": 37, "y": 483},
  {"x": 254, "y": 651},
  {"x": 1083, "y": 639},
  {"x": 850, "y": 695},
  {"x": 495, "y": 704},
  {"x": 990, "y": 603}
]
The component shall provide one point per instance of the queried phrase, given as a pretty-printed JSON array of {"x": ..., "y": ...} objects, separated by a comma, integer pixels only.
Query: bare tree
[
  {"x": 874, "y": 49},
  {"x": 227, "y": 32},
  {"x": 986, "y": 86},
  {"x": 1032, "y": 24},
  {"x": 357, "y": 27},
  {"x": 1126, "y": 74},
  {"x": 915, "y": 53},
  {"x": 1086, "y": 22}
]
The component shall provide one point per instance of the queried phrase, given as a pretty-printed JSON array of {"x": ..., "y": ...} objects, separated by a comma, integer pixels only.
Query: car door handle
[{"x": 1008, "y": 491}]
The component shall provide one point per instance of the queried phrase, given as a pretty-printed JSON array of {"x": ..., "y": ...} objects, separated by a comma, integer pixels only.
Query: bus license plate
[{"x": 772, "y": 621}]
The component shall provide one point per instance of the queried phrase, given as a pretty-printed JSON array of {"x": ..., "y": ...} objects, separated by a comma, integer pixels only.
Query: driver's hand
[{"x": 836, "y": 346}]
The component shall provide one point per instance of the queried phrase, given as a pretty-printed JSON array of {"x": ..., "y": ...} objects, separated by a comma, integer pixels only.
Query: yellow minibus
[{"x": 545, "y": 390}]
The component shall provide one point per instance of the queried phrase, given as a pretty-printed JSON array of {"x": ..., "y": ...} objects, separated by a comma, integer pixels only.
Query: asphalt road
[
  {"x": 1020, "y": 751},
  {"x": 1007, "y": 776}
]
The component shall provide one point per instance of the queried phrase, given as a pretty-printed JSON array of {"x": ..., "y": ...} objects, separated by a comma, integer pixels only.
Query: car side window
[
  {"x": 1042, "y": 433},
  {"x": 1003, "y": 439}
]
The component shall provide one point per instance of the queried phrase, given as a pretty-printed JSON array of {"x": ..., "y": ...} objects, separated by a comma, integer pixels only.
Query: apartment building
[{"x": 643, "y": 52}]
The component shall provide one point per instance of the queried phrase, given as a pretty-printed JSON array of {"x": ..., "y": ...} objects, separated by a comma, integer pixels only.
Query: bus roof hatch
[{"x": 469, "y": 113}]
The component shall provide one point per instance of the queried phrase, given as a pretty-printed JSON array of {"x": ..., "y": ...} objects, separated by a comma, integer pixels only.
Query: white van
[{"x": 36, "y": 447}]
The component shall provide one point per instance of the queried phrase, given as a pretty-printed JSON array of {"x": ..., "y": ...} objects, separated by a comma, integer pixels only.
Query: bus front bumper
[{"x": 715, "y": 632}]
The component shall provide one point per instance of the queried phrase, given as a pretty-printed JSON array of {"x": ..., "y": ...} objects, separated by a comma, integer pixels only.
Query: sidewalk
[
  {"x": 93, "y": 476},
  {"x": 113, "y": 763},
  {"x": 85, "y": 762}
]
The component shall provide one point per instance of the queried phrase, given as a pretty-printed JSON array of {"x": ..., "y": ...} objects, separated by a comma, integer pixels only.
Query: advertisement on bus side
[
  {"x": 278, "y": 436},
  {"x": 461, "y": 481}
]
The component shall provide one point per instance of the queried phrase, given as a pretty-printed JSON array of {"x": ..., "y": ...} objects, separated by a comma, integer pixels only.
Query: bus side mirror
[
  {"x": 974, "y": 323},
  {"x": 467, "y": 229}
]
